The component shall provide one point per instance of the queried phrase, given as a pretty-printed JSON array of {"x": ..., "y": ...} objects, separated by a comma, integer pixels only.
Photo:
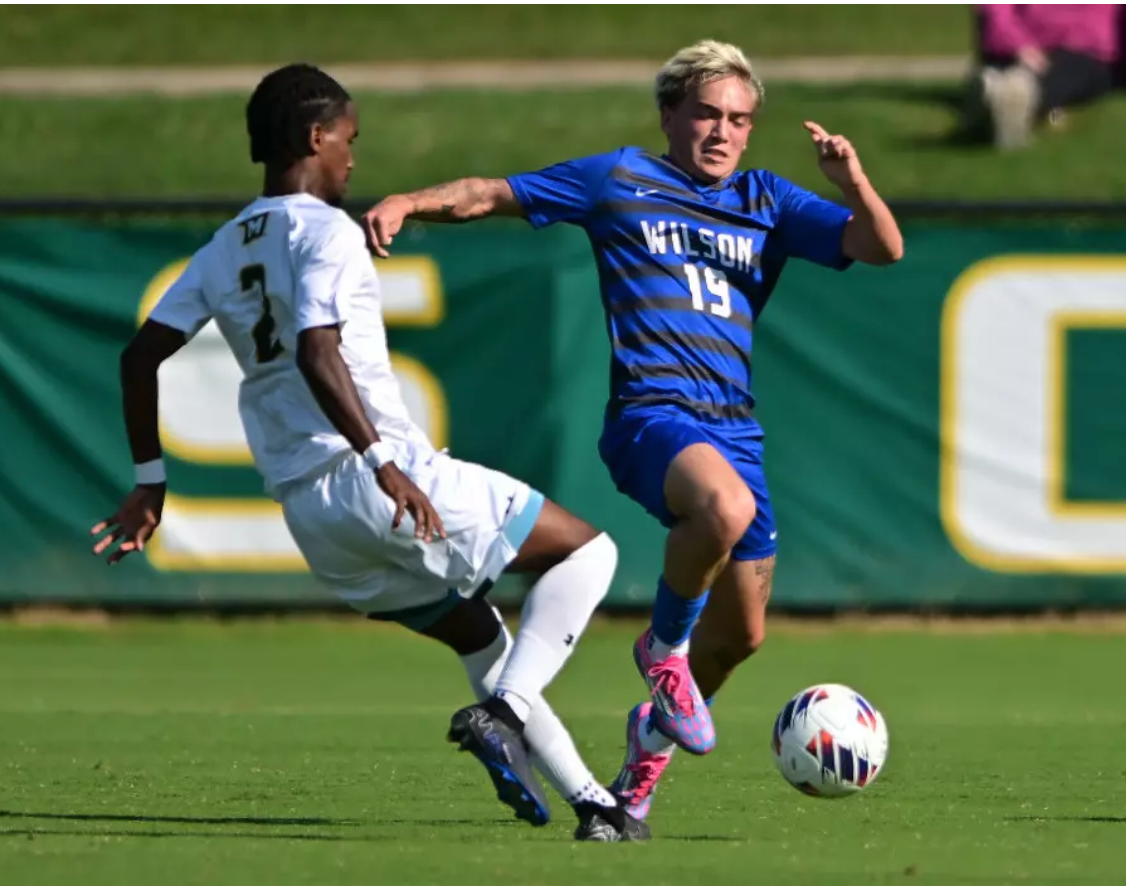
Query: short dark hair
[{"x": 284, "y": 107}]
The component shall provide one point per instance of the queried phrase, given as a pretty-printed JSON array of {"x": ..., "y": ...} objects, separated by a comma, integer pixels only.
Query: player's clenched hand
[
  {"x": 383, "y": 221},
  {"x": 408, "y": 498},
  {"x": 836, "y": 157},
  {"x": 132, "y": 524}
]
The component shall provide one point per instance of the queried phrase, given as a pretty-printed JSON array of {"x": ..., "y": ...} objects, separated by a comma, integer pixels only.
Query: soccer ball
[{"x": 829, "y": 741}]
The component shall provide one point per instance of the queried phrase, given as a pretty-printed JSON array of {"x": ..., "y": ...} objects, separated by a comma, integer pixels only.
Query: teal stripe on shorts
[
  {"x": 422, "y": 617},
  {"x": 519, "y": 528}
]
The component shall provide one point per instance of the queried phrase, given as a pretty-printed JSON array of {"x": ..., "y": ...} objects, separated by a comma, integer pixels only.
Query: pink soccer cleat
[
  {"x": 637, "y": 781},
  {"x": 679, "y": 710}
]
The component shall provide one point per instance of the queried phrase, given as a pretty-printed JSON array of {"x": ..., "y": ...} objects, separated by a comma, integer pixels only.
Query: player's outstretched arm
[
  {"x": 139, "y": 515},
  {"x": 460, "y": 201},
  {"x": 328, "y": 377},
  {"x": 872, "y": 235},
  {"x": 319, "y": 360}
]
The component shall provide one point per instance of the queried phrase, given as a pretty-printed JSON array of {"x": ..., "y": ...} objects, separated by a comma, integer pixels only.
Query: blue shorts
[{"x": 638, "y": 447}]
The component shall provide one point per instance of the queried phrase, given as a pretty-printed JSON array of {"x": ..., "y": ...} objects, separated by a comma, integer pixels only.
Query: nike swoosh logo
[
  {"x": 645, "y": 192},
  {"x": 774, "y": 534}
]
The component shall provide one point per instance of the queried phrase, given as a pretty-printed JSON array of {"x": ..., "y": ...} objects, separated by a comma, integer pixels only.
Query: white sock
[
  {"x": 660, "y": 651},
  {"x": 553, "y": 751},
  {"x": 593, "y": 792},
  {"x": 555, "y": 756},
  {"x": 653, "y": 741},
  {"x": 520, "y": 707},
  {"x": 554, "y": 617}
]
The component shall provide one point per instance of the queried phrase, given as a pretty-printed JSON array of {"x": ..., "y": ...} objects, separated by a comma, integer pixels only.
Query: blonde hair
[{"x": 701, "y": 63}]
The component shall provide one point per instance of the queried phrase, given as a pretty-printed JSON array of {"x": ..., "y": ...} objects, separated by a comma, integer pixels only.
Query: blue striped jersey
[{"x": 685, "y": 269}]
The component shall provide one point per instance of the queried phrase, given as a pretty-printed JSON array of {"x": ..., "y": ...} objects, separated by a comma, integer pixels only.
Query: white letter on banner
[
  {"x": 199, "y": 423},
  {"x": 1003, "y": 391}
]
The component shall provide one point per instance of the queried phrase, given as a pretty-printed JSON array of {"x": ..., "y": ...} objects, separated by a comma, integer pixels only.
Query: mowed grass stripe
[
  {"x": 196, "y": 147},
  {"x": 183, "y": 35}
]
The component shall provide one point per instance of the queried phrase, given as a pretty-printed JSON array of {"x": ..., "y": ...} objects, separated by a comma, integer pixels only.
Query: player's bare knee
[
  {"x": 728, "y": 514},
  {"x": 558, "y": 536},
  {"x": 754, "y": 638},
  {"x": 579, "y": 534},
  {"x": 575, "y": 536}
]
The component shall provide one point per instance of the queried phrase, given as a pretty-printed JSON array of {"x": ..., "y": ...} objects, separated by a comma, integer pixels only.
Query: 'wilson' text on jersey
[{"x": 685, "y": 270}]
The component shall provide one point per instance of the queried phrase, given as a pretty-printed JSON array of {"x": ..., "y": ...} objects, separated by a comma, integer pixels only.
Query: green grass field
[
  {"x": 185, "y": 35},
  {"x": 295, "y": 752},
  {"x": 193, "y": 147},
  {"x": 152, "y": 147}
]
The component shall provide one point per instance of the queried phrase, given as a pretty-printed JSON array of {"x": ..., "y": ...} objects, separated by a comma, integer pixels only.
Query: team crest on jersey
[{"x": 253, "y": 228}]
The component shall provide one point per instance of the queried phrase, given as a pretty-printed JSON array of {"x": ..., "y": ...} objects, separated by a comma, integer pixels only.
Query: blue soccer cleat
[{"x": 503, "y": 752}]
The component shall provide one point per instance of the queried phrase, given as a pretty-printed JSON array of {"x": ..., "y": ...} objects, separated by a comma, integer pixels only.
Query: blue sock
[{"x": 673, "y": 616}]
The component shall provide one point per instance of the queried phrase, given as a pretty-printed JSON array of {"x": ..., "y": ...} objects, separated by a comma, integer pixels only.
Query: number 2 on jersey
[
  {"x": 252, "y": 279},
  {"x": 716, "y": 282}
]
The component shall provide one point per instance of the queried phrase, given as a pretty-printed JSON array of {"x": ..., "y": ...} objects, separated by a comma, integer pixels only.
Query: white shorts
[{"x": 341, "y": 522}]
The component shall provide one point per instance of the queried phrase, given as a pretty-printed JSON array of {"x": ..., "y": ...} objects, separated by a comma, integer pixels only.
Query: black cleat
[
  {"x": 502, "y": 751},
  {"x": 601, "y": 824}
]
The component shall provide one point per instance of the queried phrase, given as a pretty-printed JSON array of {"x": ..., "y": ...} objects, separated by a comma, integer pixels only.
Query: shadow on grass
[
  {"x": 141, "y": 819},
  {"x": 205, "y": 821},
  {"x": 1092, "y": 818}
]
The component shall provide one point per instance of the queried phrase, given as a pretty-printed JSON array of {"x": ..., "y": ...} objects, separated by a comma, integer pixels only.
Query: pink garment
[{"x": 1090, "y": 29}]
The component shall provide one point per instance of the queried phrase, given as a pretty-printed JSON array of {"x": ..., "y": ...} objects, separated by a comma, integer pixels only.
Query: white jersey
[{"x": 283, "y": 265}]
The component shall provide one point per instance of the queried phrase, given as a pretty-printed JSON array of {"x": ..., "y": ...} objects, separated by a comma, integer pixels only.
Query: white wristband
[
  {"x": 151, "y": 472},
  {"x": 379, "y": 454}
]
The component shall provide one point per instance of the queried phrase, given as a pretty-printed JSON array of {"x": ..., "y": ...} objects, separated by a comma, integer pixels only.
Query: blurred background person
[{"x": 1038, "y": 60}]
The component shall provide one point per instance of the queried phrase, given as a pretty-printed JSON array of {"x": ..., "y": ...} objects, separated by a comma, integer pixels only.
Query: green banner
[{"x": 944, "y": 432}]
